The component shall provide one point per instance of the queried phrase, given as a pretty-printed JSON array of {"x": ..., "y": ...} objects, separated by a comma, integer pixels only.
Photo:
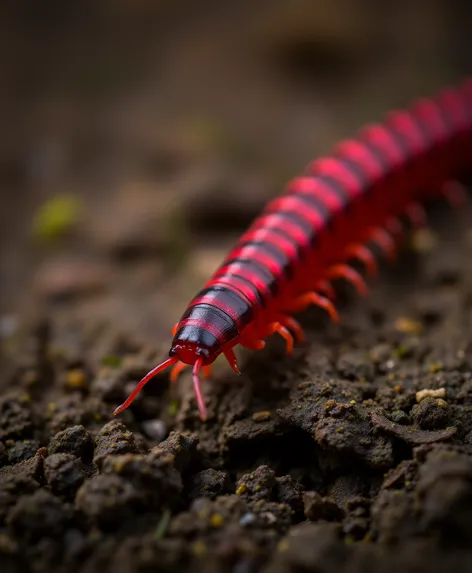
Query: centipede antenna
[
  {"x": 143, "y": 382},
  {"x": 197, "y": 388}
]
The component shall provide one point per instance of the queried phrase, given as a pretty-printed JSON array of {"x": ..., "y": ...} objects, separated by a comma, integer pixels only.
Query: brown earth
[{"x": 331, "y": 460}]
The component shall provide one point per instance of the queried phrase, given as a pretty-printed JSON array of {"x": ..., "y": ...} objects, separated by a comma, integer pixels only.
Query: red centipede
[{"x": 368, "y": 192}]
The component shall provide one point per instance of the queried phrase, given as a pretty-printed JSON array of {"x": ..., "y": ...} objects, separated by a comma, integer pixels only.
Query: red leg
[
  {"x": 252, "y": 344},
  {"x": 294, "y": 326},
  {"x": 348, "y": 273},
  {"x": 274, "y": 327},
  {"x": 180, "y": 367},
  {"x": 417, "y": 215},
  {"x": 455, "y": 193},
  {"x": 362, "y": 253},
  {"x": 384, "y": 240},
  {"x": 174, "y": 329},
  {"x": 312, "y": 298},
  {"x": 284, "y": 333},
  {"x": 231, "y": 358},
  {"x": 395, "y": 227},
  {"x": 326, "y": 289},
  {"x": 176, "y": 370}
]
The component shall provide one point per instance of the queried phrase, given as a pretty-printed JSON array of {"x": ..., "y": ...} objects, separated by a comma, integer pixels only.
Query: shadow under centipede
[
  {"x": 271, "y": 374},
  {"x": 289, "y": 451},
  {"x": 294, "y": 452}
]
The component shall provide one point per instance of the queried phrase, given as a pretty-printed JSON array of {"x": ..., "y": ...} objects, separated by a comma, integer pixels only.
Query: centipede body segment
[{"x": 365, "y": 193}]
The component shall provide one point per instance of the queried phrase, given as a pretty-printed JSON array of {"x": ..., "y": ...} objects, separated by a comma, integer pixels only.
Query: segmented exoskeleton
[{"x": 360, "y": 195}]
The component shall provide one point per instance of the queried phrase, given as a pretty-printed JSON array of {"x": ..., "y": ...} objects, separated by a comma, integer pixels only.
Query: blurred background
[{"x": 139, "y": 138}]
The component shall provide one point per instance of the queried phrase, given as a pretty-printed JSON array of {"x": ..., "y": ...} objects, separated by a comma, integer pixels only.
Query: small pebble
[
  {"x": 216, "y": 520},
  {"x": 247, "y": 519},
  {"x": 76, "y": 379},
  {"x": 435, "y": 367},
  {"x": 154, "y": 429},
  {"x": 242, "y": 489},
  {"x": 263, "y": 416},
  {"x": 408, "y": 326},
  {"x": 430, "y": 393}
]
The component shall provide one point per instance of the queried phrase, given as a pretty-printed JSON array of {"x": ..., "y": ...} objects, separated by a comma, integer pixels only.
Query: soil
[{"x": 352, "y": 455}]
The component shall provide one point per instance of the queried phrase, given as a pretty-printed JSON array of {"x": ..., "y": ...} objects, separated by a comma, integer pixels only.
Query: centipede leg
[
  {"x": 174, "y": 329},
  {"x": 293, "y": 326},
  {"x": 395, "y": 227},
  {"x": 276, "y": 327},
  {"x": 231, "y": 358},
  {"x": 206, "y": 370},
  {"x": 176, "y": 370},
  {"x": 417, "y": 215},
  {"x": 455, "y": 193},
  {"x": 384, "y": 241},
  {"x": 326, "y": 289},
  {"x": 180, "y": 367},
  {"x": 348, "y": 273},
  {"x": 364, "y": 255},
  {"x": 259, "y": 344},
  {"x": 252, "y": 343},
  {"x": 305, "y": 300}
]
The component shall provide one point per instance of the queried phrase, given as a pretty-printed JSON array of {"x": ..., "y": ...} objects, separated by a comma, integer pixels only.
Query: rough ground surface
[
  {"x": 332, "y": 460},
  {"x": 325, "y": 461}
]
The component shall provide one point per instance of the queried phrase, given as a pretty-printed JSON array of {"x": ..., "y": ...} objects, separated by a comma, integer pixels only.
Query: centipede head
[
  {"x": 189, "y": 352},
  {"x": 201, "y": 335},
  {"x": 192, "y": 342},
  {"x": 191, "y": 346}
]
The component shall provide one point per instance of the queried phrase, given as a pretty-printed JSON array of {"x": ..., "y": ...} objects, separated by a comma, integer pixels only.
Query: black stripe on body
[
  {"x": 230, "y": 268},
  {"x": 422, "y": 129},
  {"x": 236, "y": 303},
  {"x": 337, "y": 187},
  {"x": 377, "y": 154},
  {"x": 283, "y": 261},
  {"x": 305, "y": 225},
  {"x": 315, "y": 202},
  {"x": 210, "y": 318},
  {"x": 447, "y": 120},
  {"x": 402, "y": 144},
  {"x": 356, "y": 170},
  {"x": 301, "y": 255}
]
